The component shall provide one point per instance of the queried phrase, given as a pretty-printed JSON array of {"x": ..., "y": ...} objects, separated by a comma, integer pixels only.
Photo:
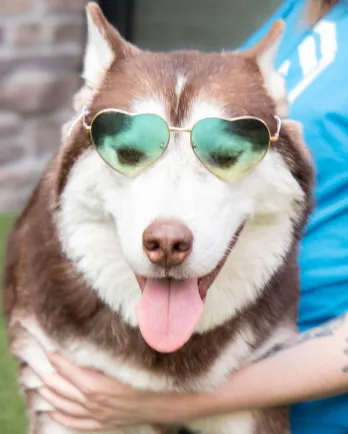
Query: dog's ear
[
  {"x": 265, "y": 53},
  {"x": 104, "y": 46},
  {"x": 265, "y": 50}
]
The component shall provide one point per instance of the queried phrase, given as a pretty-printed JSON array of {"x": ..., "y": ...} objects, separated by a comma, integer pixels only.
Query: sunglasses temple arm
[
  {"x": 84, "y": 113},
  {"x": 279, "y": 125}
]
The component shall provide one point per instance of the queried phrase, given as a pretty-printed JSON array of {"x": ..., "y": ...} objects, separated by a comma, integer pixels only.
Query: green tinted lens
[
  {"x": 129, "y": 143},
  {"x": 230, "y": 149}
]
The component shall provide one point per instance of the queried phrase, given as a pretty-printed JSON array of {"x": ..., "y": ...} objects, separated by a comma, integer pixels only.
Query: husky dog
[{"x": 160, "y": 246}]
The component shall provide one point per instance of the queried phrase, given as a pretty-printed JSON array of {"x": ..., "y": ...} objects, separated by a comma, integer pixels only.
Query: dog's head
[{"x": 176, "y": 249}]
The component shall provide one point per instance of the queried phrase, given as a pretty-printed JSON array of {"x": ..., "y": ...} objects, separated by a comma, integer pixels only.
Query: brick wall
[{"x": 41, "y": 43}]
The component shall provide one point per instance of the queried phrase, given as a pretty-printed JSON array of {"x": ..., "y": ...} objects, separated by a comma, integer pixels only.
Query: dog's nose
[{"x": 167, "y": 242}]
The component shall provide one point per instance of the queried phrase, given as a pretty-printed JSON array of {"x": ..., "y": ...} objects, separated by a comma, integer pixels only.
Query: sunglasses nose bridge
[{"x": 179, "y": 130}]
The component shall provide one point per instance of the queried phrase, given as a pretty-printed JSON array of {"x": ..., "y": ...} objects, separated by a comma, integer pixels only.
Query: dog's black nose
[{"x": 167, "y": 242}]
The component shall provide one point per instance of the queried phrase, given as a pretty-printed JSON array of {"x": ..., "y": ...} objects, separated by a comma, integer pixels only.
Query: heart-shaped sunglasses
[{"x": 131, "y": 143}]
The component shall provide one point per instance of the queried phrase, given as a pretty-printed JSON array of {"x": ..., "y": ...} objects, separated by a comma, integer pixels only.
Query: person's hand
[{"x": 87, "y": 400}]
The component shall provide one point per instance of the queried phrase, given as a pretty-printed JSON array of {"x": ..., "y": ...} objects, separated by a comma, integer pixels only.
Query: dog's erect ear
[
  {"x": 104, "y": 45},
  {"x": 265, "y": 51},
  {"x": 265, "y": 54}
]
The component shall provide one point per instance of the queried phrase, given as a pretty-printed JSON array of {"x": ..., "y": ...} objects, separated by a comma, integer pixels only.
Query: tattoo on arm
[{"x": 326, "y": 330}]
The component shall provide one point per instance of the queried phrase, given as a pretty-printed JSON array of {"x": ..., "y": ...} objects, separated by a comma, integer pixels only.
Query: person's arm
[{"x": 313, "y": 365}]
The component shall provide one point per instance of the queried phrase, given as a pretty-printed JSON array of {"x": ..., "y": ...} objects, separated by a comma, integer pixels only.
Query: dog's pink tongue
[{"x": 168, "y": 312}]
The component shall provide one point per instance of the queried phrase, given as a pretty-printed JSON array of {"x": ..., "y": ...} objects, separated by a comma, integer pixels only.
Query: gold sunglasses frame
[{"x": 272, "y": 138}]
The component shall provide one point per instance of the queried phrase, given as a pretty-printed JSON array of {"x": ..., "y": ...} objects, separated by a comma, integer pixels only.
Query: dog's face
[{"x": 152, "y": 245}]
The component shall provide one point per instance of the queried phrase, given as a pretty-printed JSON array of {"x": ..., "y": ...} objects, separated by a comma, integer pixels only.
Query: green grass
[{"x": 12, "y": 415}]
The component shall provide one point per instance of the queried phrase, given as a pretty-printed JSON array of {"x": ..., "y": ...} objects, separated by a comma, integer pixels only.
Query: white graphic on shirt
[
  {"x": 307, "y": 53},
  {"x": 284, "y": 69},
  {"x": 310, "y": 64}
]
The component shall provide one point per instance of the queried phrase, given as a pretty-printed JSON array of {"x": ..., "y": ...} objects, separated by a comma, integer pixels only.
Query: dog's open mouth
[{"x": 170, "y": 309}]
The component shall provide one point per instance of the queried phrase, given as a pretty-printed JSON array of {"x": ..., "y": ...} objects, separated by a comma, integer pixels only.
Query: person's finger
[
  {"x": 62, "y": 404},
  {"x": 76, "y": 423},
  {"x": 61, "y": 386},
  {"x": 75, "y": 375},
  {"x": 88, "y": 381}
]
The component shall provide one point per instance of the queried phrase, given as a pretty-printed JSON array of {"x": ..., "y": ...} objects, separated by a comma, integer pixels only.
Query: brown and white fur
[{"x": 70, "y": 280}]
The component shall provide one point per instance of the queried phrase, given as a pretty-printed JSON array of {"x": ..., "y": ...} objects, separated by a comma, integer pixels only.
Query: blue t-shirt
[{"x": 314, "y": 63}]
